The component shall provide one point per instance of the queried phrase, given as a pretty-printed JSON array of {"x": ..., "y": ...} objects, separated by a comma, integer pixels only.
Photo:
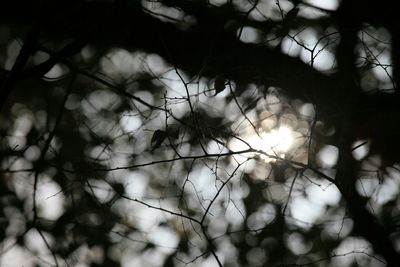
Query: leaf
[
  {"x": 288, "y": 22},
  {"x": 219, "y": 84},
  {"x": 292, "y": 14},
  {"x": 118, "y": 188},
  {"x": 173, "y": 132},
  {"x": 157, "y": 139}
]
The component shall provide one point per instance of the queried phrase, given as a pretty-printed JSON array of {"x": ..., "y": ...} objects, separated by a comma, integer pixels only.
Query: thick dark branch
[
  {"x": 216, "y": 50},
  {"x": 206, "y": 49}
]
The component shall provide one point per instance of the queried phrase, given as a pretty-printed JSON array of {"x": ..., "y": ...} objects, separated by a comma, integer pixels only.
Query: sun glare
[{"x": 275, "y": 142}]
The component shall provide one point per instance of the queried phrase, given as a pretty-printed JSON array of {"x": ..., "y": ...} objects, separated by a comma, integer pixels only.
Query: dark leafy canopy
[{"x": 199, "y": 133}]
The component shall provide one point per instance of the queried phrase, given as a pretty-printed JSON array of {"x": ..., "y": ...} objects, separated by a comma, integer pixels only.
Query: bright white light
[
  {"x": 276, "y": 142},
  {"x": 328, "y": 4}
]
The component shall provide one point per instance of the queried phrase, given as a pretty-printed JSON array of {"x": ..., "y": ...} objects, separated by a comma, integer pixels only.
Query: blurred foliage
[{"x": 199, "y": 133}]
